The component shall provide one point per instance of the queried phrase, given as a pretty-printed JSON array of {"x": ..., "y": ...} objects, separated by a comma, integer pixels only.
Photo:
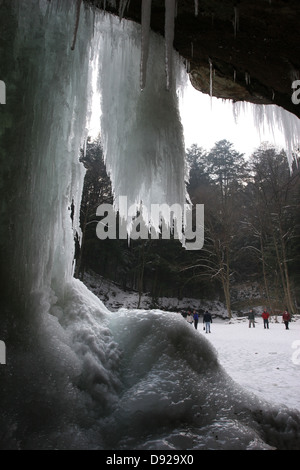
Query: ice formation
[
  {"x": 210, "y": 78},
  {"x": 78, "y": 376},
  {"x": 145, "y": 33},
  {"x": 236, "y": 21},
  {"x": 169, "y": 37},
  {"x": 141, "y": 132},
  {"x": 196, "y": 7},
  {"x": 275, "y": 118}
]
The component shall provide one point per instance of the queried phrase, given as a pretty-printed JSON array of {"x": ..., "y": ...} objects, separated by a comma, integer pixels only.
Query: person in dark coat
[
  {"x": 251, "y": 318},
  {"x": 207, "y": 319},
  {"x": 196, "y": 318}
]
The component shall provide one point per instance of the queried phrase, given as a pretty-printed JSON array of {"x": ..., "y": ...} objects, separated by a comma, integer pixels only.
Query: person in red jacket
[
  {"x": 265, "y": 316},
  {"x": 286, "y": 317}
]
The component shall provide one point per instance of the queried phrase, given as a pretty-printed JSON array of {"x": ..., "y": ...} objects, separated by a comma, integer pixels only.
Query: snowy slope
[{"x": 115, "y": 298}]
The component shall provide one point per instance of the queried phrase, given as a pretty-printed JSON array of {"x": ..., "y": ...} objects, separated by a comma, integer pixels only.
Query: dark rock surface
[{"x": 253, "y": 45}]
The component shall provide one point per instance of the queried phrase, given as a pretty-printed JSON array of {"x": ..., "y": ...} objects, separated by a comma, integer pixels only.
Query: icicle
[
  {"x": 123, "y": 4},
  {"x": 146, "y": 17},
  {"x": 210, "y": 81},
  {"x": 247, "y": 78},
  {"x": 192, "y": 49},
  {"x": 234, "y": 75},
  {"x": 76, "y": 24},
  {"x": 236, "y": 21},
  {"x": 276, "y": 118},
  {"x": 170, "y": 6},
  {"x": 196, "y": 7}
]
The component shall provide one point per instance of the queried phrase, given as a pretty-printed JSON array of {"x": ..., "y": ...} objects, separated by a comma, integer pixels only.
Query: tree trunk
[
  {"x": 226, "y": 283},
  {"x": 289, "y": 300},
  {"x": 264, "y": 271},
  {"x": 282, "y": 263}
]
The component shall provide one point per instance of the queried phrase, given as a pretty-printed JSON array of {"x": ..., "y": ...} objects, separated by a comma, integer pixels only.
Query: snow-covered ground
[{"x": 265, "y": 362}]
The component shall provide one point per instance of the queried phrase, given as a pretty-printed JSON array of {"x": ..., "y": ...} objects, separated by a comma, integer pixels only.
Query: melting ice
[{"x": 77, "y": 375}]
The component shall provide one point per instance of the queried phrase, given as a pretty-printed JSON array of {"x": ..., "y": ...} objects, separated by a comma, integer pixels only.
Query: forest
[{"x": 251, "y": 231}]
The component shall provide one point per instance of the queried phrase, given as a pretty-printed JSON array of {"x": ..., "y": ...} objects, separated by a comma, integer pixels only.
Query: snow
[{"x": 264, "y": 362}]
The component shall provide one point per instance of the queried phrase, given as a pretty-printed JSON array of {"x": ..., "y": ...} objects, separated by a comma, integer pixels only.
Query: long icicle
[
  {"x": 170, "y": 8},
  {"x": 196, "y": 7},
  {"x": 146, "y": 17},
  {"x": 122, "y": 6},
  {"x": 76, "y": 23},
  {"x": 210, "y": 81}
]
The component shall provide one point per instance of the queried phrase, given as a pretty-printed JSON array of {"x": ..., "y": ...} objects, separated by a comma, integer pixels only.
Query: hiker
[
  {"x": 265, "y": 316},
  {"x": 196, "y": 318},
  {"x": 251, "y": 317},
  {"x": 207, "y": 319},
  {"x": 286, "y": 318},
  {"x": 189, "y": 318}
]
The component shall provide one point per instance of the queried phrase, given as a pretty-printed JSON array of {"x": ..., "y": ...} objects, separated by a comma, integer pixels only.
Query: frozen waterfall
[
  {"x": 141, "y": 132},
  {"x": 78, "y": 376}
]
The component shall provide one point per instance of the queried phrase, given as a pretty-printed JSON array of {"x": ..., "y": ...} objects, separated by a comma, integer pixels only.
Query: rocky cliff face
[{"x": 250, "y": 48}]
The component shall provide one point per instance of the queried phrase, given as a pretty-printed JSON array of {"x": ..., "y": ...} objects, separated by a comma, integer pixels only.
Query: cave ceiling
[{"x": 253, "y": 46}]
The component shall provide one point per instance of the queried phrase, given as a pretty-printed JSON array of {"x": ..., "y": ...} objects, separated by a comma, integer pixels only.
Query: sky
[{"x": 207, "y": 120}]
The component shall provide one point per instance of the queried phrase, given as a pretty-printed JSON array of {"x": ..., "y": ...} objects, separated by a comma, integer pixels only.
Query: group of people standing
[
  {"x": 193, "y": 318},
  {"x": 286, "y": 318}
]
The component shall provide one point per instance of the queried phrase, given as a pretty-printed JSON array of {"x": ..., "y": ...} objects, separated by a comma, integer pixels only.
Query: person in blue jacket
[
  {"x": 207, "y": 319},
  {"x": 196, "y": 318}
]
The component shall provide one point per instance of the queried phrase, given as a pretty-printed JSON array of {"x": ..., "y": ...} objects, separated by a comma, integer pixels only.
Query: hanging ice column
[
  {"x": 274, "y": 119},
  {"x": 55, "y": 112},
  {"x": 47, "y": 109},
  {"x": 141, "y": 131}
]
